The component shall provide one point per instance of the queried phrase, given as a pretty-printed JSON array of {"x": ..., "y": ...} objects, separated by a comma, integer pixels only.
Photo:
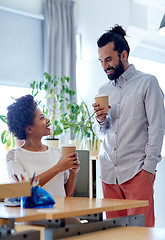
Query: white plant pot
[{"x": 51, "y": 142}]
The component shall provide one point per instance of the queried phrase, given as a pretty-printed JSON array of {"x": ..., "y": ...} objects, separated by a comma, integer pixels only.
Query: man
[{"x": 133, "y": 129}]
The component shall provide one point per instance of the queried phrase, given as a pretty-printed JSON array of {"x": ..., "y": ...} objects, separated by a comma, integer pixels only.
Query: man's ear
[
  {"x": 28, "y": 130},
  {"x": 124, "y": 56}
]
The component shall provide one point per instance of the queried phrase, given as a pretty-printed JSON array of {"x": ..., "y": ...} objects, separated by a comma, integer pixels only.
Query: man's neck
[{"x": 126, "y": 65}]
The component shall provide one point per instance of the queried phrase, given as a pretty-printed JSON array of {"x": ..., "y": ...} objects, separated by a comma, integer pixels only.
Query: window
[
  {"x": 21, "y": 49},
  {"x": 21, "y": 62}
]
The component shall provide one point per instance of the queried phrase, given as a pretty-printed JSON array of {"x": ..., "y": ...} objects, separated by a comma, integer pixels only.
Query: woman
[{"x": 26, "y": 122}]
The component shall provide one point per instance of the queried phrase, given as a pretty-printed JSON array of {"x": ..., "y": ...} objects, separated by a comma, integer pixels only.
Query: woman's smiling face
[{"x": 41, "y": 125}]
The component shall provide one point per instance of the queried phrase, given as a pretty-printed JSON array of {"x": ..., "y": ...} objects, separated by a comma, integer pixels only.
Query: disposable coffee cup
[
  {"x": 102, "y": 100},
  {"x": 67, "y": 149}
]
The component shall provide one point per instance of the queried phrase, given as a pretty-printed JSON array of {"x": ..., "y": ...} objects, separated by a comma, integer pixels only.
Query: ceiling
[
  {"x": 148, "y": 43},
  {"x": 152, "y": 45},
  {"x": 159, "y": 4}
]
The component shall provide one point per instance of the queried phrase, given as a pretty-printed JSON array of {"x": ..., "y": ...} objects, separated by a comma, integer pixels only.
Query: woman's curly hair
[{"x": 20, "y": 115}]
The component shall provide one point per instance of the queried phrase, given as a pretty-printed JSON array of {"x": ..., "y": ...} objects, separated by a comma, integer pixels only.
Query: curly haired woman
[{"x": 26, "y": 122}]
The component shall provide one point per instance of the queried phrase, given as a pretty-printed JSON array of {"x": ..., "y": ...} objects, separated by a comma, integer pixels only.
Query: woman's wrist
[
  {"x": 57, "y": 168},
  {"x": 74, "y": 173}
]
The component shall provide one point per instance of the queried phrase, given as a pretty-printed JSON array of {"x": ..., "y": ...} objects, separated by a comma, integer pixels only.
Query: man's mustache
[{"x": 110, "y": 68}]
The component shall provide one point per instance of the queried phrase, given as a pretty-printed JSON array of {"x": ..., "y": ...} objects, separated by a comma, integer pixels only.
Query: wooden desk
[
  {"x": 124, "y": 233},
  {"x": 69, "y": 207}
]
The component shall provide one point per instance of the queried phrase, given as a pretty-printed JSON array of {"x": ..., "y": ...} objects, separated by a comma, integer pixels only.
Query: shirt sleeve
[
  {"x": 13, "y": 165},
  {"x": 154, "y": 105},
  {"x": 100, "y": 128}
]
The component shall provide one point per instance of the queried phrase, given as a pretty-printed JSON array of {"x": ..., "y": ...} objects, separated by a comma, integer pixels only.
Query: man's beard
[{"x": 117, "y": 71}]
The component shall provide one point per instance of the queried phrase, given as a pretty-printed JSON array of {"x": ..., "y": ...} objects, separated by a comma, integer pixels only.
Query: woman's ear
[{"x": 28, "y": 130}]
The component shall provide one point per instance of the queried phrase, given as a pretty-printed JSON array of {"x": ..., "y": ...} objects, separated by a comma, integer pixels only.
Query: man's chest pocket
[{"x": 133, "y": 106}]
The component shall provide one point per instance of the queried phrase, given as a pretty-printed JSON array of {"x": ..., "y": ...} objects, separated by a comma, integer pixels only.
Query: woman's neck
[{"x": 34, "y": 145}]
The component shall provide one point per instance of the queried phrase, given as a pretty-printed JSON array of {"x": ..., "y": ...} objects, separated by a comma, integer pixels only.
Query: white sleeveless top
[{"x": 21, "y": 161}]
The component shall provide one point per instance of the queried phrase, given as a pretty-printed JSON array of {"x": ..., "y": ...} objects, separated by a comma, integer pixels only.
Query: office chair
[{"x": 82, "y": 183}]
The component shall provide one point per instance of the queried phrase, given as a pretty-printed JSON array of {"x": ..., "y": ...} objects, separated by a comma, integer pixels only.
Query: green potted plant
[
  {"x": 6, "y": 137},
  {"x": 57, "y": 95},
  {"x": 83, "y": 129},
  {"x": 65, "y": 115}
]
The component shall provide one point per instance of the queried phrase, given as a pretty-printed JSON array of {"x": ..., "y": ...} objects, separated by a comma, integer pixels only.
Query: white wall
[
  {"x": 160, "y": 195},
  {"x": 93, "y": 18}
]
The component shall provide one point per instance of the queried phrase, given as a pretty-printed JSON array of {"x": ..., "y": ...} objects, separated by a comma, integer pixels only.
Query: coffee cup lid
[
  {"x": 101, "y": 95},
  {"x": 68, "y": 145}
]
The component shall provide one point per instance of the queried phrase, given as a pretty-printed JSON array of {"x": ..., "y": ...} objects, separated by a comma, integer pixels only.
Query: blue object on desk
[{"x": 40, "y": 198}]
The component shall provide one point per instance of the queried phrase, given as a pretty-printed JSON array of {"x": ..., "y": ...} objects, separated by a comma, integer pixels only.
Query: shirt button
[
  {"x": 118, "y": 102},
  {"x": 115, "y": 165},
  {"x": 119, "y": 86},
  {"x": 117, "y": 118},
  {"x": 115, "y": 132},
  {"x": 114, "y": 149}
]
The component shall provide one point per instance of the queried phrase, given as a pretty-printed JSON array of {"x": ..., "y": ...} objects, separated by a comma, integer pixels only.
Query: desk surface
[
  {"x": 68, "y": 207},
  {"x": 124, "y": 233}
]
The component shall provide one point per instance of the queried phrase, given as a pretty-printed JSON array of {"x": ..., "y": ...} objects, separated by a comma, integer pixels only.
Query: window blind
[{"x": 21, "y": 49}]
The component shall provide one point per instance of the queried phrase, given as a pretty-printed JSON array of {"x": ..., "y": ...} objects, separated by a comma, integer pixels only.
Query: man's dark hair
[
  {"x": 117, "y": 36},
  {"x": 20, "y": 115}
]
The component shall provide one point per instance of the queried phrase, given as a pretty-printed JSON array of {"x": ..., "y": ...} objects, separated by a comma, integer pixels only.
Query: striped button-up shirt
[{"x": 132, "y": 133}]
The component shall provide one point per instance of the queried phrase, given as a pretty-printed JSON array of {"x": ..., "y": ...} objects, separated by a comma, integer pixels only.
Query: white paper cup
[{"x": 103, "y": 101}]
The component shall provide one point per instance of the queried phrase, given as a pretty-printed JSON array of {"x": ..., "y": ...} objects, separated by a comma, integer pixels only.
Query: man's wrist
[{"x": 101, "y": 122}]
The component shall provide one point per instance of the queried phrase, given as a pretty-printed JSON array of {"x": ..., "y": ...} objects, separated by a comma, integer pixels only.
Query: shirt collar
[{"x": 127, "y": 74}]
